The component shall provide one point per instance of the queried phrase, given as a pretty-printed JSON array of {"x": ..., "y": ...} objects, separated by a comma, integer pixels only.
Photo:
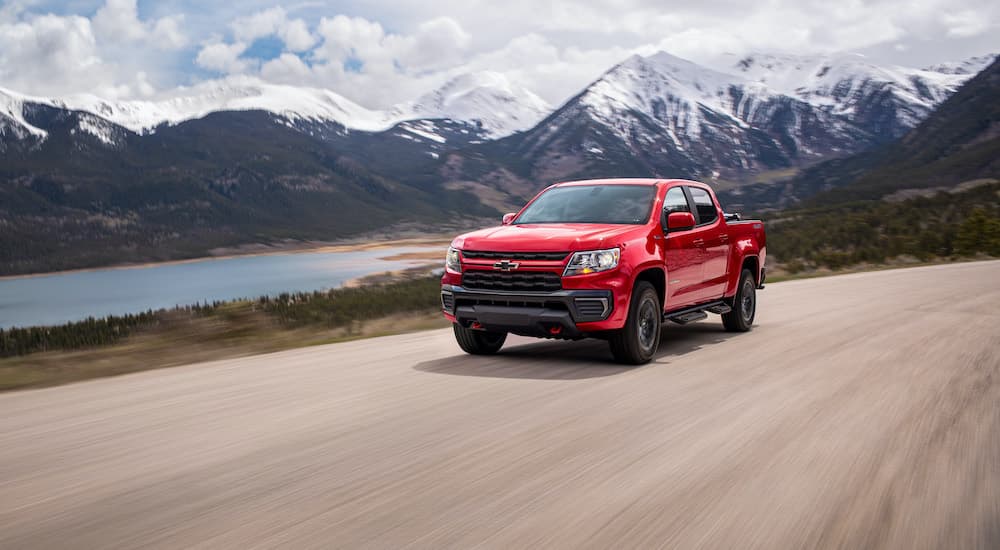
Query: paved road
[{"x": 863, "y": 411}]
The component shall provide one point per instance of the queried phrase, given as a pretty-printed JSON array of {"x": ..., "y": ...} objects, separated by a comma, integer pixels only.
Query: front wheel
[
  {"x": 637, "y": 341},
  {"x": 478, "y": 342},
  {"x": 740, "y": 318}
]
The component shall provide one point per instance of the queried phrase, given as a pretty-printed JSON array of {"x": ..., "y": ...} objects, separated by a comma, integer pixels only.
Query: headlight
[
  {"x": 453, "y": 261},
  {"x": 592, "y": 261}
]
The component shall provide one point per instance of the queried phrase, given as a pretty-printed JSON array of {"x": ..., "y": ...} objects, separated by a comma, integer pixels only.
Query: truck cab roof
[{"x": 629, "y": 181}]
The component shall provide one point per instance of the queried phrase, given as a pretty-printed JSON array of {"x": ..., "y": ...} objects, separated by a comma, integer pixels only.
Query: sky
[{"x": 379, "y": 53}]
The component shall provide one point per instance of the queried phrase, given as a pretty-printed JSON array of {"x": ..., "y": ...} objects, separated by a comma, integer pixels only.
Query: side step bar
[{"x": 697, "y": 313}]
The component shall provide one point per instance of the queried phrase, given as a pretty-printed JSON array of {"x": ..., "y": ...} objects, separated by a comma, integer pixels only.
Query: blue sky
[{"x": 381, "y": 52}]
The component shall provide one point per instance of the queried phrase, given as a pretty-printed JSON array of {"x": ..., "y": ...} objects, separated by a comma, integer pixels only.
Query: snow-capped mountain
[
  {"x": 889, "y": 99},
  {"x": 758, "y": 116},
  {"x": 689, "y": 103},
  {"x": 486, "y": 98},
  {"x": 25, "y": 122},
  {"x": 486, "y": 102},
  {"x": 786, "y": 107},
  {"x": 845, "y": 92},
  {"x": 235, "y": 94},
  {"x": 656, "y": 114}
]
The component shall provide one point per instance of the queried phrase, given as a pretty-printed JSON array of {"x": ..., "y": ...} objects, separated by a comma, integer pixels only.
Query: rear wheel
[
  {"x": 637, "y": 341},
  {"x": 740, "y": 319},
  {"x": 478, "y": 342}
]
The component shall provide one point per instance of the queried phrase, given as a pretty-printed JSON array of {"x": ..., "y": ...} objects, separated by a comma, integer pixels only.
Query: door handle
[
  {"x": 724, "y": 237},
  {"x": 698, "y": 242}
]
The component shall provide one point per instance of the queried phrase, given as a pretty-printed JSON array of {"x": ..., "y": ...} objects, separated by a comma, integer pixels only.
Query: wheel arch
[
  {"x": 655, "y": 275},
  {"x": 751, "y": 262}
]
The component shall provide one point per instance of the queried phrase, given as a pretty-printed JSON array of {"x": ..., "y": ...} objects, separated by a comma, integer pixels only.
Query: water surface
[{"x": 59, "y": 298}]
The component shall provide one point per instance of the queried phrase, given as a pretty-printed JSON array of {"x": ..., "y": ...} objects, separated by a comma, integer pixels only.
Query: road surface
[{"x": 863, "y": 411}]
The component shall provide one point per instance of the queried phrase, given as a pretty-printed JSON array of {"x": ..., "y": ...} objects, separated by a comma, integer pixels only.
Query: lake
[{"x": 62, "y": 297}]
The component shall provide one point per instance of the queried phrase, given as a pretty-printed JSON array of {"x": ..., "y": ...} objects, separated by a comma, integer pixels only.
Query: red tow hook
[
  {"x": 556, "y": 330},
  {"x": 476, "y": 325}
]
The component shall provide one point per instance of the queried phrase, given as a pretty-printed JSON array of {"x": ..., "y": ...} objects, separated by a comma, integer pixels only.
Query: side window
[
  {"x": 703, "y": 203},
  {"x": 675, "y": 201}
]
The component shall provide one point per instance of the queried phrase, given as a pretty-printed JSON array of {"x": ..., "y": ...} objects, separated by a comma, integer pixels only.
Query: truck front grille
[
  {"x": 515, "y": 256},
  {"x": 531, "y": 281}
]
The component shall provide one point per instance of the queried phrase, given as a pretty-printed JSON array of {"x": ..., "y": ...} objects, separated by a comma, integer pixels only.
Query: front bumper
[{"x": 557, "y": 314}]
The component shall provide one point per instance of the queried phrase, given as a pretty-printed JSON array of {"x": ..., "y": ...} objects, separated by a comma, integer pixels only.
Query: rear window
[{"x": 616, "y": 204}]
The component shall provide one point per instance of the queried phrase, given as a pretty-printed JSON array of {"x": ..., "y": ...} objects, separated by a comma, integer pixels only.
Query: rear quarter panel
[{"x": 749, "y": 241}]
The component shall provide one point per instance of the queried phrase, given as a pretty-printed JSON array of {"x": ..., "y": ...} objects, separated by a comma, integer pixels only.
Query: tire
[
  {"x": 636, "y": 342},
  {"x": 740, "y": 319},
  {"x": 478, "y": 342}
]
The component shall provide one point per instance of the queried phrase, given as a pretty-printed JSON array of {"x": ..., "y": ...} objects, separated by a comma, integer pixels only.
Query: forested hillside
[
  {"x": 226, "y": 179},
  {"x": 942, "y": 225}
]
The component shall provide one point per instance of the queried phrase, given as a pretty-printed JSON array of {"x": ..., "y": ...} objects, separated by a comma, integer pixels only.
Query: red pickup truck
[{"x": 605, "y": 259}]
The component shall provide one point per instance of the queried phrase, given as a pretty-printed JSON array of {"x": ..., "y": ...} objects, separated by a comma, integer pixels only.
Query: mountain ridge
[
  {"x": 486, "y": 99},
  {"x": 660, "y": 115}
]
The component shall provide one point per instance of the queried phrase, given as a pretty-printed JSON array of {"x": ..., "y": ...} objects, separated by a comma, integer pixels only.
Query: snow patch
[
  {"x": 12, "y": 106},
  {"x": 98, "y": 128},
  {"x": 424, "y": 130}
]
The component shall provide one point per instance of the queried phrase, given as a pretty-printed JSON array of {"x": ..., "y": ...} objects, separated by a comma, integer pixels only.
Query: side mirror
[
  {"x": 680, "y": 221},
  {"x": 508, "y": 217}
]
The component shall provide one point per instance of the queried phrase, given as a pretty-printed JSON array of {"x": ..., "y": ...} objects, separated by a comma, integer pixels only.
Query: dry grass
[
  {"x": 437, "y": 255},
  {"x": 182, "y": 341}
]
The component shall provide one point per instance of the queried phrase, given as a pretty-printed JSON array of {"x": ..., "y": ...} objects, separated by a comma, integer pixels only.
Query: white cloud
[
  {"x": 167, "y": 33},
  {"x": 286, "y": 69},
  {"x": 295, "y": 33},
  {"x": 260, "y": 24},
  {"x": 114, "y": 53},
  {"x": 552, "y": 72},
  {"x": 437, "y": 44},
  {"x": 350, "y": 38},
  {"x": 40, "y": 52},
  {"x": 391, "y": 51},
  {"x": 224, "y": 58},
  {"x": 143, "y": 86},
  {"x": 354, "y": 56},
  {"x": 965, "y": 23},
  {"x": 118, "y": 21},
  {"x": 274, "y": 22}
]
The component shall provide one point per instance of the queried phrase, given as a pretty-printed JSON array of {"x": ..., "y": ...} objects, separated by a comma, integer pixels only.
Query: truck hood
[{"x": 547, "y": 237}]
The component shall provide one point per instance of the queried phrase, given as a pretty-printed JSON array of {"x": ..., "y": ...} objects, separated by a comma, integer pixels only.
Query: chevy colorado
[{"x": 607, "y": 259}]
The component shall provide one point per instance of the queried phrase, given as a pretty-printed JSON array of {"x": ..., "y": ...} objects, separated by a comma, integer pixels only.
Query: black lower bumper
[{"x": 547, "y": 314}]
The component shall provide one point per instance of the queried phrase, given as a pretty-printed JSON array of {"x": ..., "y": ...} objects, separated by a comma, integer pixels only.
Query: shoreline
[{"x": 249, "y": 251}]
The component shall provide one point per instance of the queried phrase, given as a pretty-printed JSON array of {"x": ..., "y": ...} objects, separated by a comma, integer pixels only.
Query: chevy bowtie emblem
[{"x": 505, "y": 265}]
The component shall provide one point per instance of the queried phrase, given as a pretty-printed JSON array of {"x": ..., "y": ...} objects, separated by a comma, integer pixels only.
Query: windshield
[{"x": 624, "y": 204}]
